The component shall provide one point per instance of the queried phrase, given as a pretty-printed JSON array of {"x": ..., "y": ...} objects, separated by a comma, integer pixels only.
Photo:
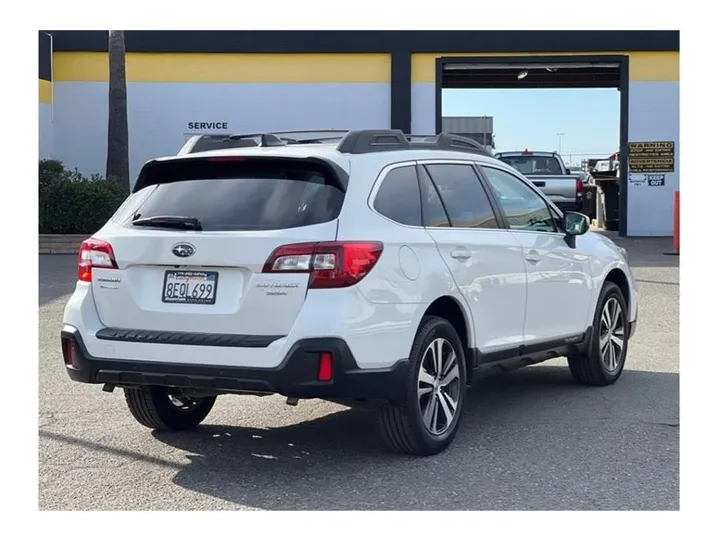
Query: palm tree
[{"x": 118, "y": 167}]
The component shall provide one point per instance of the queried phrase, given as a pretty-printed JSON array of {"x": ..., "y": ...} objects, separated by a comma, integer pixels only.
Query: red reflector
[
  {"x": 325, "y": 368},
  {"x": 67, "y": 350}
]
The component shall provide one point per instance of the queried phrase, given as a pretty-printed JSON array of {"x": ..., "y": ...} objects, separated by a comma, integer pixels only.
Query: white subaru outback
[{"x": 364, "y": 268}]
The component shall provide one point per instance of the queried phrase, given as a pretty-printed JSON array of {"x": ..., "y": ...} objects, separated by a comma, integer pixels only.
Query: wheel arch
[
  {"x": 452, "y": 310},
  {"x": 618, "y": 277}
]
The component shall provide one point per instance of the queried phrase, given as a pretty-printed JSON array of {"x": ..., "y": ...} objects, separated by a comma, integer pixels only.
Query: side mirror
[{"x": 574, "y": 224}]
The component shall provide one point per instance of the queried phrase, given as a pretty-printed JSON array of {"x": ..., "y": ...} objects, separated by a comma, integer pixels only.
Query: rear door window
[
  {"x": 463, "y": 196},
  {"x": 434, "y": 214},
  {"x": 244, "y": 196}
]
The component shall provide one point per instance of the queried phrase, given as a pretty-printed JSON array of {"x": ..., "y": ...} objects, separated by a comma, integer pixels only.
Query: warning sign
[{"x": 652, "y": 157}]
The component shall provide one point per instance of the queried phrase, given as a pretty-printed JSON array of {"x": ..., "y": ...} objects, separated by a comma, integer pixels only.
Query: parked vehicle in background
[{"x": 548, "y": 172}]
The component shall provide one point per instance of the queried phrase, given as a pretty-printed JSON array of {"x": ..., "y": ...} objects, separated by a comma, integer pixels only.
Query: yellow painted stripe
[
  {"x": 221, "y": 68},
  {"x": 644, "y": 66},
  {"x": 654, "y": 66},
  {"x": 45, "y": 91}
]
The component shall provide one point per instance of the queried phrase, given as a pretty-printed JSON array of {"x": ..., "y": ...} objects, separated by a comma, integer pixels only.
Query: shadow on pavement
[{"x": 517, "y": 440}]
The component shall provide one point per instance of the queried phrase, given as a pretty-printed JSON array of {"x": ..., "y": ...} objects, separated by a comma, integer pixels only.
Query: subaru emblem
[{"x": 183, "y": 250}]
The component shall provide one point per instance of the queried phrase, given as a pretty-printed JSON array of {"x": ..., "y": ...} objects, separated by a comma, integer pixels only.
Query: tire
[
  {"x": 594, "y": 368},
  {"x": 153, "y": 407},
  {"x": 402, "y": 425}
]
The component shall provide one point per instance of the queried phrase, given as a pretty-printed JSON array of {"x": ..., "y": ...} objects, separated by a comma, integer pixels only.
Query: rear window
[
  {"x": 243, "y": 196},
  {"x": 530, "y": 165}
]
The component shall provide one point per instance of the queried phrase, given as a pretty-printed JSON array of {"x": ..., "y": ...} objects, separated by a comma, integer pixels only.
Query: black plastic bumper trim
[
  {"x": 296, "y": 376},
  {"x": 185, "y": 338}
]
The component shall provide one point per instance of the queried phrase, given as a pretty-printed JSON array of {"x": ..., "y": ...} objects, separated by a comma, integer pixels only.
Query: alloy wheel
[
  {"x": 612, "y": 334},
  {"x": 438, "y": 386}
]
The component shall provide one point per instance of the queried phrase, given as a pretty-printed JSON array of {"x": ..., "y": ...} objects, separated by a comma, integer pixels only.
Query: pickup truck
[{"x": 548, "y": 172}]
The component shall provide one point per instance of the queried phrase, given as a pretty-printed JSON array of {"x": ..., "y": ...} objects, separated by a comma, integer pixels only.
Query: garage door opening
[{"x": 609, "y": 172}]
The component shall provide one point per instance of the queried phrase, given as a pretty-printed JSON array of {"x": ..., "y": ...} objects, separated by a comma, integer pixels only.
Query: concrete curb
[{"x": 61, "y": 244}]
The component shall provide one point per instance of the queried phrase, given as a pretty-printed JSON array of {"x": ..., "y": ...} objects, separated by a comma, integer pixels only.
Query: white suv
[{"x": 367, "y": 267}]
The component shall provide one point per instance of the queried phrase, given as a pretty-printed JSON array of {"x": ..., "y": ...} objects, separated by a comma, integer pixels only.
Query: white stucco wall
[
  {"x": 159, "y": 114},
  {"x": 654, "y": 115},
  {"x": 45, "y": 129}
]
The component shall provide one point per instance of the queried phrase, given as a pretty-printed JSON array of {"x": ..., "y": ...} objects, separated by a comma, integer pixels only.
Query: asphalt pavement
[{"x": 530, "y": 439}]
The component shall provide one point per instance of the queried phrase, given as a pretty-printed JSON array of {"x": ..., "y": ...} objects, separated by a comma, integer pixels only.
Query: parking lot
[{"x": 530, "y": 440}]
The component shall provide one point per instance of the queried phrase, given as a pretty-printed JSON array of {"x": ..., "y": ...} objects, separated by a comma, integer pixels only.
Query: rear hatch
[{"x": 190, "y": 246}]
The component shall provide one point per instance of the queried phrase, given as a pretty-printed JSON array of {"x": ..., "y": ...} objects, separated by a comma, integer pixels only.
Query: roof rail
[
  {"x": 381, "y": 140},
  {"x": 205, "y": 142},
  {"x": 363, "y": 141}
]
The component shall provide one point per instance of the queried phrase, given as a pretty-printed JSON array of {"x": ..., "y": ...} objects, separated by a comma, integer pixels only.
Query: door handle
[
  {"x": 532, "y": 256},
  {"x": 461, "y": 254}
]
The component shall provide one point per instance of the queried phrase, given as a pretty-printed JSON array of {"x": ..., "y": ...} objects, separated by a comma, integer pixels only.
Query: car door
[
  {"x": 485, "y": 260},
  {"x": 559, "y": 283}
]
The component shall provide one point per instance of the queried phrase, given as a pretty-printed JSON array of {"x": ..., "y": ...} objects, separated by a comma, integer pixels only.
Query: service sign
[{"x": 207, "y": 126}]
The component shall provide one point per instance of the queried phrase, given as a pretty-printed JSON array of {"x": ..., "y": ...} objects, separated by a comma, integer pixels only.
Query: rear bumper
[
  {"x": 296, "y": 376},
  {"x": 569, "y": 206}
]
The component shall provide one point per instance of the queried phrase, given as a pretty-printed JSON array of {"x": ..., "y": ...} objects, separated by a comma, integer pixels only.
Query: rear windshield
[
  {"x": 533, "y": 164},
  {"x": 243, "y": 197}
]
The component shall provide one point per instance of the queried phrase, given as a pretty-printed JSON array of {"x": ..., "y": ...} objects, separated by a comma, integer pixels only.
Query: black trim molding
[
  {"x": 44, "y": 56},
  {"x": 373, "y": 41},
  {"x": 185, "y": 338},
  {"x": 400, "y": 91}
]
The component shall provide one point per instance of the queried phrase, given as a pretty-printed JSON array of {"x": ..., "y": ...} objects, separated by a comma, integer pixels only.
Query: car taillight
[
  {"x": 94, "y": 254},
  {"x": 578, "y": 186},
  {"x": 330, "y": 264}
]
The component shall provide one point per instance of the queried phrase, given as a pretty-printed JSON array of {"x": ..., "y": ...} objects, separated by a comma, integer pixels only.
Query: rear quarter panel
[{"x": 410, "y": 273}]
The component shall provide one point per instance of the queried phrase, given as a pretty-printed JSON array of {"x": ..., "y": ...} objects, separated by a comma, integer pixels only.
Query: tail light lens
[
  {"x": 579, "y": 186},
  {"x": 94, "y": 254},
  {"x": 330, "y": 264}
]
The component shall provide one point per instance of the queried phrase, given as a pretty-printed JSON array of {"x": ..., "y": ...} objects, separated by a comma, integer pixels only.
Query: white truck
[{"x": 548, "y": 172}]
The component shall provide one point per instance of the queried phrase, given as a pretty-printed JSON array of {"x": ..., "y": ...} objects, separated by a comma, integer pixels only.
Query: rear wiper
[{"x": 170, "y": 222}]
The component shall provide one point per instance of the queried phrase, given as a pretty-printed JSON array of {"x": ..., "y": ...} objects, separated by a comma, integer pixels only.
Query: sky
[{"x": 588, "y": 117}]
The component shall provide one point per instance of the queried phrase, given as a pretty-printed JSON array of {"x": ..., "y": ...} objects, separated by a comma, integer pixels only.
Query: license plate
[{"x": 185, "y": 287}]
